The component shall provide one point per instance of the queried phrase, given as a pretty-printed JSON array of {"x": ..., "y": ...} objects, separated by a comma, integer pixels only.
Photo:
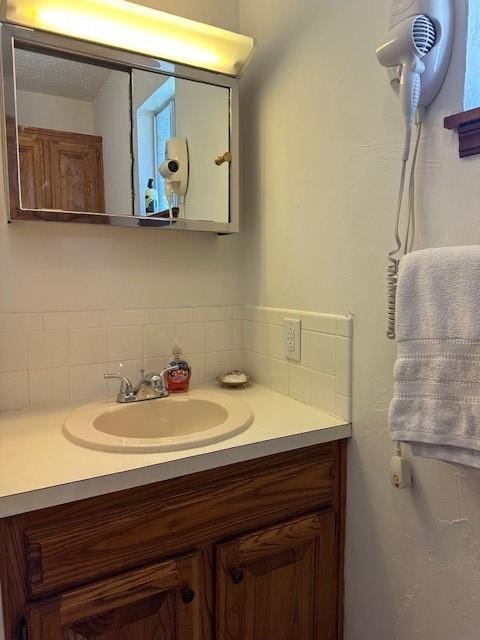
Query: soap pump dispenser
[{"x": 178, "y": 380}]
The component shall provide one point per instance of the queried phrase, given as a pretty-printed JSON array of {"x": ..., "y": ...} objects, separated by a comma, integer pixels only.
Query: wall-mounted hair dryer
[
  {"x": 416, "y": 51},
  {"x": 175, "y": 172}
]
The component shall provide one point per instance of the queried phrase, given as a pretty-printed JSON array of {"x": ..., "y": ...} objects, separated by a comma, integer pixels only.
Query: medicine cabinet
[{"x": 100, "y": 135}]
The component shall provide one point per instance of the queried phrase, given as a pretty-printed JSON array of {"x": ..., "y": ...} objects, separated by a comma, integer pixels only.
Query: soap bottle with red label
[{"x": 178, "y": 381}]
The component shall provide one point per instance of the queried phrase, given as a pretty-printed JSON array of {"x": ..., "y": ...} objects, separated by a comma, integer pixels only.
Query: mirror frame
[{"x": 119, "y": 59}]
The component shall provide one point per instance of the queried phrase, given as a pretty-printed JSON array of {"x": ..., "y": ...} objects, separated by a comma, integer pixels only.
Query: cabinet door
[
  {"x": 34, "y": 178},
  {"x": 77, "y": 173},
  {"x": 158, "y": 602},
  {"x": 279, "y": 583}
]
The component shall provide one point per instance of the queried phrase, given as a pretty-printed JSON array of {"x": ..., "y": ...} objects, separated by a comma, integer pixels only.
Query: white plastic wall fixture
[{"x": 442, "y": 13}]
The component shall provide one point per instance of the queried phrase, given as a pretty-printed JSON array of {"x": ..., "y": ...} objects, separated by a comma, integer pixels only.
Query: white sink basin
[{"x": 180, "y": 421}]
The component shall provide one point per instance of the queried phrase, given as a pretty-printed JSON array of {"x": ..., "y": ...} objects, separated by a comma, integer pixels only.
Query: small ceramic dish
[{"x": 234, "y": 379}]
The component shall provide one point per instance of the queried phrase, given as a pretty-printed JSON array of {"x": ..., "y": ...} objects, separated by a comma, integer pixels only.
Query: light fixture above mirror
[{"x": 132, "y": 27}]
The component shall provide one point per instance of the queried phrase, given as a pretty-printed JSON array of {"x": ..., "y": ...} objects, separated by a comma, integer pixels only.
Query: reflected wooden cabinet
[
  {"x": 60, "y": 170},
  {"x": 251, "y": 551}
]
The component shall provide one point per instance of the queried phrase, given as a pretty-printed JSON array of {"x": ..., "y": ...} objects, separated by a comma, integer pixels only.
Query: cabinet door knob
[
  {"x": 237, "y": 576},
  {"x": 188, "y": 595},
  {"x": 225, "y": 157}
]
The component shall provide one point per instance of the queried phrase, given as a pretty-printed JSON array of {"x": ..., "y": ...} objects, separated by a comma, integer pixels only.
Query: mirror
[
  {"x": 173, "y": 116},
  {"x": 73, "y": 135},
  {"x": 117, "y": 134}
]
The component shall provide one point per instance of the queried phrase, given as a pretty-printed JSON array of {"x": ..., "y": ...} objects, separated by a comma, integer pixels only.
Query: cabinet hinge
[{"x": 21, "y": 629}]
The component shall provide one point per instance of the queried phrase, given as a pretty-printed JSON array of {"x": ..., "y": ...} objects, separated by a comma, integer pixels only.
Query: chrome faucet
[{"x": 150, "y": 386}]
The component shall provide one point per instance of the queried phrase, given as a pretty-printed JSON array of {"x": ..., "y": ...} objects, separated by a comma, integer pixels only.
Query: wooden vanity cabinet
[{"x": 250, "y": 551}]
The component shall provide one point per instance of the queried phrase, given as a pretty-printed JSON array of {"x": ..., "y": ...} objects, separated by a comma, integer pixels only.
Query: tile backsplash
[
  {"x": 59, "y": 357},
  {"x": 54, "y": 358},
  {"x": 322, "y": 377}
]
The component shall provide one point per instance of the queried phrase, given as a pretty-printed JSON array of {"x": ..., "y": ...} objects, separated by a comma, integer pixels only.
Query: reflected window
[
  {"x": 164, "y": 121},
  {"x": 154, "y": 104}
]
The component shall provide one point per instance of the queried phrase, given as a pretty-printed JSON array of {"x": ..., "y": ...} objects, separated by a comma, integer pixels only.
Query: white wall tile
[
  {"x": 264, "y": 338},
  {"x": 184, "y": 314},
  {"x": 273, "y": 341},
  {"x": 87, "y": 345},
  {"x": 211, "y": 314},
  {"x": 320, "y": 322},
  {"x": 155, "y": 365},
  {"x": 219, "y": 336},
  {"x": 83, "y": 319},
  {"x": 237, "y": 312},
  {"x": 343, "y": 367},
  {"x": 215, "y": 339},
  {"x": 56, "y": 320},
  {"x": 237, "y": 334},
  {"x": 124, "y": 343},
  {"x": 314, "y": 380},
  {"x": 191, "y": 336},
  {"x": 123, "y": 318},
  {"x": 257, "y": 367},
  {"x": 217, "y": 363},
  {"x": 247, "y": 335},
  {"x": 268, "y": 315},
  {"x": 277, "y": 375},
  {"x": 318, "y": 351},
  {"x": 299, "y": 383},
  {"x": 169, "y": 316},
  {"x": 345, "y": 326},
  {"x": 269, "y": 372},
  {"x": 87, "y": 382},
  {"x": 161, "y": 316},
  {"x": 14, "y": 391},
  {"x": 13, "y": 352},
  {"x": 11, "y": 322},
  {"x": 238, "y": 359},
  {"x": 47, "y": 349},
  {"x": 158, "y": 340},
  {"x": 247, "y": 363},
  {"x": 70, "y": 320},
  {"x": 322, "y": 391},
  {"x": 49, "y": 386},
  {"x": 343, "y": 407},
  {"x": 199, "y": 371}
]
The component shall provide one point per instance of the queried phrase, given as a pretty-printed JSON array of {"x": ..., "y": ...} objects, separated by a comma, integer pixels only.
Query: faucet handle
[
  {"x": 126, "y": 386},
  {"x": 157, "y": 380},
  {"x": 163, "y": 373}
]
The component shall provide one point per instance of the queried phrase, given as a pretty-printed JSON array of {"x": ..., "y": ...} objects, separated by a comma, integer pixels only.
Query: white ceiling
[{"x": 58, "y": 76}]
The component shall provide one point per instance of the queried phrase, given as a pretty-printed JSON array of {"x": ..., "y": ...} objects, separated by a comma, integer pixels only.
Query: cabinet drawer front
[
  {"x": 136, "y": 604},
  {"x": 97, "y": 542}
]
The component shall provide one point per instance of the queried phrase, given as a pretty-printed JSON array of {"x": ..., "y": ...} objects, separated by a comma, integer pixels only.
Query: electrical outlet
[{"x": 292, "y": 333}]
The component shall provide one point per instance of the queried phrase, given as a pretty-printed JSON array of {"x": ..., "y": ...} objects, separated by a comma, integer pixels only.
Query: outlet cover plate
[{"x": 292, "y": 338}]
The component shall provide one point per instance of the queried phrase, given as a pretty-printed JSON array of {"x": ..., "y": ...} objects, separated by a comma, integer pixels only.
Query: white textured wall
[
  {"x": 321, "y": 142},
  {"x": 111, "y": 111},
  {"x": 49, "y": 266},
  {"x": 54, "y": 112}
]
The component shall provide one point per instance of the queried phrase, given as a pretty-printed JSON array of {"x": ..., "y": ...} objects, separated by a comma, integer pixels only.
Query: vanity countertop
[{"x": 40, "y": 468}]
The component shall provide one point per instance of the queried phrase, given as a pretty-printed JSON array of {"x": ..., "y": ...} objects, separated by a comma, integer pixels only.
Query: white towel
[{"x": 436, "y": 401}]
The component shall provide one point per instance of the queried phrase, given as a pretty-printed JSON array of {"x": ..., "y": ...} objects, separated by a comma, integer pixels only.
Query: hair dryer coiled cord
[{"x": 393, "y": 256}]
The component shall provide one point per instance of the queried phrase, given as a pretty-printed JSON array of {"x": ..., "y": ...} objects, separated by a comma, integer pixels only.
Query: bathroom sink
[{"x": 180, "y": 421}]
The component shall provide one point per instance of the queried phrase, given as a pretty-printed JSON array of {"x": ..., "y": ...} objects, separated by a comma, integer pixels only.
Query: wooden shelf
[{"x": 467, "y": 124}]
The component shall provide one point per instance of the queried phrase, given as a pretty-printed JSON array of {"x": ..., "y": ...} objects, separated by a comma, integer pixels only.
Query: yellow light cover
[{"x": 130, "y": 26}]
